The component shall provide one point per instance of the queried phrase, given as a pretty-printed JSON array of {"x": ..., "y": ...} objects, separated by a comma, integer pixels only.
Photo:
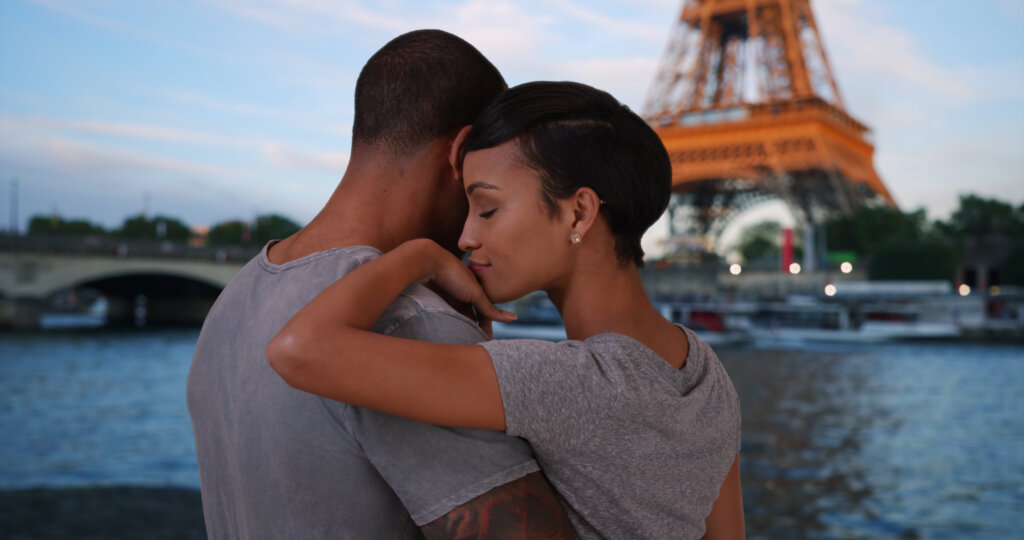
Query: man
[{"x": 275, "y": 462}]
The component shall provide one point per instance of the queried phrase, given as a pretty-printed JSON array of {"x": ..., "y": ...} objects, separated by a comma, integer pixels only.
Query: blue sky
[{"x": 226, "y": 109}]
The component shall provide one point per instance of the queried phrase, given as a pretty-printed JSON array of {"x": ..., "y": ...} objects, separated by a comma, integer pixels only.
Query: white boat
[
  {"x": 812, "y": 320},
  {"x": 518, "y": 330},
  {"x": 76, "y": 308},
  {"x": 718, "y": 324},
  {"x": 538, "y": 319}
]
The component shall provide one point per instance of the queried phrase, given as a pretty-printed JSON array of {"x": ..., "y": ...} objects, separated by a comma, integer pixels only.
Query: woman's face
[{"x": 516, "y": 246}]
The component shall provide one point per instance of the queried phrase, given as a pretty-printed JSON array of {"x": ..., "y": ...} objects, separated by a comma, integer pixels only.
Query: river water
[{"x": 904, "y": 440}]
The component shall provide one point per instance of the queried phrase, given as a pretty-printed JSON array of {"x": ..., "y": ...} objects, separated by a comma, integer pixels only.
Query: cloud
[
  {"x": 49, "y": 140},
  {"x": 613, "y": 25},
  {"x": 76, "y": 11},
  {"x": 233, "y": 106},
  {"x": 919, "y": 107},
  {"x": 505, "y": 31},
  {"x": 106, "y": 182},
  {"x": 864, "y": 51},
  {"x": 1014, "y": 8},
  {"x": 288, "y": 157},
  {"x": 617, "y": 76},
  {"x": 38, "y": 125},
  {"x": 313, "y": 15},
  {"x": 73, "y": 156},
  {"x": 40, "y": 140}
]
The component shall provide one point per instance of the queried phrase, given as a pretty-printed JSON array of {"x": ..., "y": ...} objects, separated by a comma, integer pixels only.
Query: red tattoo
[{"x": 526, "y": 508}]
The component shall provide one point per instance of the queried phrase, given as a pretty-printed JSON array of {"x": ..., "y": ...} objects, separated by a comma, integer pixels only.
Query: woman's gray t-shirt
[{"x": 635, "y": 447}]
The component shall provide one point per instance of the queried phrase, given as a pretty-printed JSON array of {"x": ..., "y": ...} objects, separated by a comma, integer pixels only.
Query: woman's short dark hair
[
  {"x": 577, "y": 136},
  {"x": 421, "y": 85}
]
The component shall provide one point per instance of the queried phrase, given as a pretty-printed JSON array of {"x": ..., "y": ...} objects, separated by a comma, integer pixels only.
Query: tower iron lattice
[{"x": 748, "y": 109}]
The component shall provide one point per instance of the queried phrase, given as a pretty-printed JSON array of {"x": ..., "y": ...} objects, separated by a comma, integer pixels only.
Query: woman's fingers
[
  {"x": 485, "y": 325},
  {"x": 451, "y": 276},
  {"x": 486, "y": 310}
]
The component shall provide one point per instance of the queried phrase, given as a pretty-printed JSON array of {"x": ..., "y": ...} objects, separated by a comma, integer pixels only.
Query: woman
[{"x": 633, "y": 420}]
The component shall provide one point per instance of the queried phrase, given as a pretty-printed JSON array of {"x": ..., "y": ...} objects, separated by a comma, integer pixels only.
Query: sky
[{"x": 226, "y": 109}]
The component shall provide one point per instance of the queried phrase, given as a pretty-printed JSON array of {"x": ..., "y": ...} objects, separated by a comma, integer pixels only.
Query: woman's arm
[
  {"x": 327, "y": 348},
  {"x": 726, "y": 519}
]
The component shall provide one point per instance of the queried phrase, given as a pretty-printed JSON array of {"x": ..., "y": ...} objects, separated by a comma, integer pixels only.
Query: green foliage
[
  {"x": 905, "y": 246},
  {"x": 273, "y": 227},
  {"x": 268, "y": 227},
  {"x": 869, "y": 229},
  {"x": 40, "y": 225},
  {"x": 228, "y": 233},
  {"x": 978, "y": 216},
  {"x": 156, "y": 228},
  {"x": 1013, "y": 266},
  {"x": 909, "y": 259},
  {"x": 762, "y": 242}
]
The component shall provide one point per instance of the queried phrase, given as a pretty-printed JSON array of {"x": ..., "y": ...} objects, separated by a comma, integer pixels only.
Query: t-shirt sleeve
[
  {"x": 434, "y": 469},
  {"x": 553, "y": 393}
]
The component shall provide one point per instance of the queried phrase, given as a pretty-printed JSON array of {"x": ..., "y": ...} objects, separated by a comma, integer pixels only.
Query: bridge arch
[
  {"x": 150, "y": 298},
  {"x": 171, "y": 290}
]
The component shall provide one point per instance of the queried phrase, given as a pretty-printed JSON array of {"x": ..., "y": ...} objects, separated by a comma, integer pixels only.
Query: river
[{"x": 902, "y": 440}]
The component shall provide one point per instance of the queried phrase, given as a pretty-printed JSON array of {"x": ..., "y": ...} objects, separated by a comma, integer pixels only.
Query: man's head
[
  {"x": 412, "y": 98},
  {"x": 420, "y": 86}
]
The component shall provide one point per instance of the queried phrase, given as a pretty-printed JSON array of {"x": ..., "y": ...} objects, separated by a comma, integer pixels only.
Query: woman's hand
[
  {"x": 327, "y": 348},
  {"x": 457, "y": 283}
]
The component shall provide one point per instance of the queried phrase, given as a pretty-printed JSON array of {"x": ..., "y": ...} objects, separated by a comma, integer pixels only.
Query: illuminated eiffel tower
[{"x": 748, "y": 109}]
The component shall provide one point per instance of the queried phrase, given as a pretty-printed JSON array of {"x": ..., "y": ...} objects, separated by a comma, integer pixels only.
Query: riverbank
[{"x": 102, "y": 513}]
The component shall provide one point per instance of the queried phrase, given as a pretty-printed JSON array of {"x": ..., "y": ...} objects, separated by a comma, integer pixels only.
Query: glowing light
[
  {"x": 794, "y": 268},
  {"x": 830, "y": 290},
  {"x": 846, "y": 267},
  {"x": 735, "y": 269},
  {"x": 964, "y": 290}
]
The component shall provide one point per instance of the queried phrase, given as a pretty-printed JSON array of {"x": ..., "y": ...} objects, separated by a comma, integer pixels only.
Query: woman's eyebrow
[{"x": 470, "y": 188}]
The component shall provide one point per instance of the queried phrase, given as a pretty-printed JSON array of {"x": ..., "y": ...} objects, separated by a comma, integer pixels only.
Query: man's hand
[{"x": 524, "y": 508}]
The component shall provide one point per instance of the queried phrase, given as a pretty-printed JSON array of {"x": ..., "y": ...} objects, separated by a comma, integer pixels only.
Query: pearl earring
[{"x": 575, "y": 239}]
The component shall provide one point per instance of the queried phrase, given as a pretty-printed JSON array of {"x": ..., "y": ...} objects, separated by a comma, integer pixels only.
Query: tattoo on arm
[{"x": 524, "y": 508}]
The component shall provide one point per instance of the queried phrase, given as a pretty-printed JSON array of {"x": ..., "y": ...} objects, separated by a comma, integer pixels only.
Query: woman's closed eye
[{"x": 488, "y": 214}]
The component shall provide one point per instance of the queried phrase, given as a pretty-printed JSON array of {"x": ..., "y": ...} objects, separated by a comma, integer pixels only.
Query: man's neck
[{"x": 372, "y": 206}]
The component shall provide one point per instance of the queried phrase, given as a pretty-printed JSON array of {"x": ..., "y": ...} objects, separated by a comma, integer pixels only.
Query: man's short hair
[{"x": 420, "y": 86}]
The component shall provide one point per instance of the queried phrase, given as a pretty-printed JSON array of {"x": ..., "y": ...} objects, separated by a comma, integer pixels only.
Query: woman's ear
[
  {"x": 585, "y": 207},
  {"x": 456, "y": 151}
]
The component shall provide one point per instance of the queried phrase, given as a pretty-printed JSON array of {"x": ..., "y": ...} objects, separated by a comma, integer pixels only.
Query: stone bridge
[{"x": 171, "y": 283}]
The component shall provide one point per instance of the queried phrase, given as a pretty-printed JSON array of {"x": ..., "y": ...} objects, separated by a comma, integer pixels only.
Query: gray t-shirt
[
  {"x": 275, "y": 462},
  {"x": 635, "y": 447}
]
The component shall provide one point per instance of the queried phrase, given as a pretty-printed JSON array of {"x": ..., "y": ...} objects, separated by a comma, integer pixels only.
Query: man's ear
[{"x": 456, "y": 150}]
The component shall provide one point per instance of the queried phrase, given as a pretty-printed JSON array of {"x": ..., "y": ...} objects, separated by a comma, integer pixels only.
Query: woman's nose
[{"x": 468, "y": 240}]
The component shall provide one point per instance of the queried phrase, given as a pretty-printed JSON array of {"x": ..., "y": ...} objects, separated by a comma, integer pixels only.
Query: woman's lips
[{"x": 476, "y": 267}]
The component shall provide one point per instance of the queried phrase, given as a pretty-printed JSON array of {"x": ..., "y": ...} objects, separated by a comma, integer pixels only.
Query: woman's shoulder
[{"x": 538, "y": 349}]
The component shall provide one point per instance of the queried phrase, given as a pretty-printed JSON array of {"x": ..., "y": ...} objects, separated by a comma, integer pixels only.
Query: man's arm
[
  {"x": 524, "y": 508},
  {"x": 726, "y": 519}
]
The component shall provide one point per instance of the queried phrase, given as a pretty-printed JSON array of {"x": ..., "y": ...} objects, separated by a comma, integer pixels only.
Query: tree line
[
  {"x": 166, "y": 228},
  {"x": 891, "y": 243},
  {"x": 906, "y": 245}
]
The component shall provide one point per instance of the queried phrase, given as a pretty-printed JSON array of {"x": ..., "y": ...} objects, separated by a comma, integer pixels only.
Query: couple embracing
[{"x": 335, "y": 393}]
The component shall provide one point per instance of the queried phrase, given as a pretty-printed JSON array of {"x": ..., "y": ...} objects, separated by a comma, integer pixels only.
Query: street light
[
  {"x": 14, "y": 206},
  {"x": 735, "y": 269},
  {"x": 846, "y": 267},
  {"x": 794, "y": 268}
]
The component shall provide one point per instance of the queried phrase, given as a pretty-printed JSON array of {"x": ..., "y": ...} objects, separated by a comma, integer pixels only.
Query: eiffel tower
[{"x": 749, "y": 111}]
